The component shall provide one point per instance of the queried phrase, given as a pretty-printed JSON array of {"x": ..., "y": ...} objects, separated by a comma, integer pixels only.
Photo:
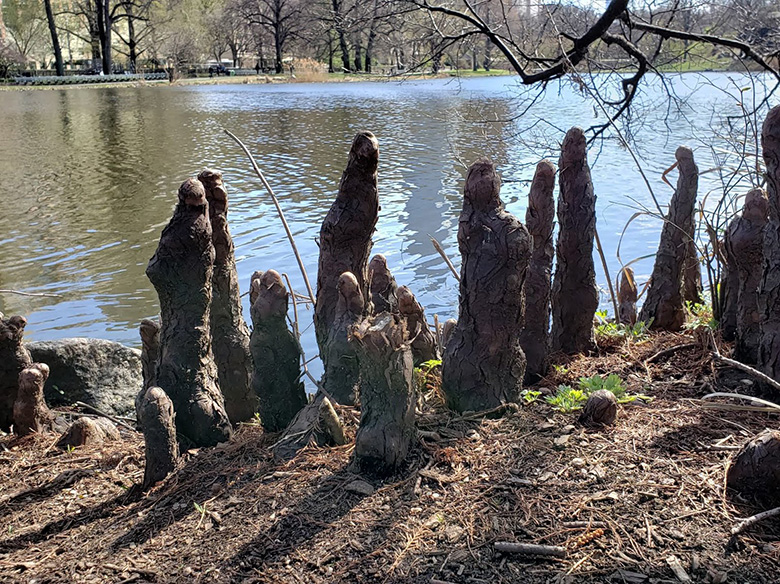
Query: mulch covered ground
[{"x": 623, "y": 502}]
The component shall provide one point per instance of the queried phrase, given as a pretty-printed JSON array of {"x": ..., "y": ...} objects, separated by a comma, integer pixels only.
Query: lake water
[{"x": 91, "y": 175}]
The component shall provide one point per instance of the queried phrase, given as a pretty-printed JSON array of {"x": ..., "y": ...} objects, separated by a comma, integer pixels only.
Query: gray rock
[{"x": 103, "y": 374}]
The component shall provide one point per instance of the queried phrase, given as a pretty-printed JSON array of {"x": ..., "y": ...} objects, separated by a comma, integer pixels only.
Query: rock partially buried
[
  {"x": 754, "y": 471},
  {"x": 88, "y": 432},
  {"x": 101, "y": 373}
]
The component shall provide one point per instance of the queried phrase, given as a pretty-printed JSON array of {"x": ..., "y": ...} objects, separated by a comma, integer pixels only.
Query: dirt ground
[{"x": 622, "y": 502}]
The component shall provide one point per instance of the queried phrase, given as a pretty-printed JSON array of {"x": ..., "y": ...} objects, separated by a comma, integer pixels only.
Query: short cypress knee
[
  {"x": 150, "y": 356},
  {"x": 277, "y": 355},
  {"x": 181, "y": 272},
  {"x": 229, "y": 332},
  {"x": 14, "y": 358},
  {"x": 31, "y": 414},
  {"x": 157, "y": 418},
  {"x": 423, "y": 342},
  {"x": 483, "y": 364},
  {"x": 383, "y": 286},
  {"x": 627, "y": 297},
  {"x": 575, "y": 297}
]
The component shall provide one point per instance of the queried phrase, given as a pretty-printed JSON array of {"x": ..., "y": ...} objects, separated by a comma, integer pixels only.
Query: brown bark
[
  {"x": 692, "y": 288},
  {"x": 769, "y": 289},
  {"x": 181, "y": 271},
  {"x": 539, "y": 219},
  {"x": 342, "y": 373},
  {"x": 729, "y": 296},
  {"x": 13, "y": 359},
  {"x": 88, "y": 432},
  {"x": 665, "y": 304},
  {"x": 277, "y": 355},
  {"x": 600, "y": 409},
  {"x": 31, "y": 414},
  {"x": 229, "y": 332},
  {"x": 161, "y": 446},
  {"x": 254, "y": 288},
  {"x": 423, "y": 341},
  {"x": 150, "y": 357},
  {"x": 446, "y": 332},
  {"x": 755, "y": 470},
  {"x": 383, "y": 286},
  {"x": 317, "y": 424},
  {"x": 483, "y": 364},
  {"x": 387, "y": 396},
  {"x": 345, "y": 236},
  {"x": 744, "y": 245},
  {"x": 627, "y": 297},
  {"x": 575, "y": 297}
]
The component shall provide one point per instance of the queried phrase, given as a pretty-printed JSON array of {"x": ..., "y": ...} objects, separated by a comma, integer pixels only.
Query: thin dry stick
[
  {"x": 606, "y": 273},
  {"x": 278, "y": 210},
  {"x": 751, "y": 521},
  {"x": 746, "y": 368},
  {"x": 447, "y": 261},
  {"x": 296, "y": 328},
  {"x": 105, "y": 415},
  {"x": 41, "y": 294}
]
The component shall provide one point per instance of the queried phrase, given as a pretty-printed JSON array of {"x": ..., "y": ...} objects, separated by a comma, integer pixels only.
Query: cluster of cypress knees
[{"x": 204, "y": 371}]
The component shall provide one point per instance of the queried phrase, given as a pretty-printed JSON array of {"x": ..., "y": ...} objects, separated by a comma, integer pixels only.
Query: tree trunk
[
  {"x": 338, "y": 19},
  {"x": 345, "y": 236},
  {"x": 755, "y": 470},
  {"x": 181, "y": 272},
  {"x": 157, "y": 418},
  {"x": 277, "y": 355},
  {"x": 229, "y": 332},
  {"x": 55, "y": 39},
  {"x": 484, "y": 365},
  {"x": 665, "y": 304},
  {"x": 744, "y": 245},
  {"x": 31, "y": 414},
  {"x": 104, "y": 32},
  {"x": 627, "y": 297},
  {"x": 14, "y": 358},
  {"x": 383, "y": 287},
  {"x": 575, "y": 297},
  {"x": 278, "y": 50},
  {"x": 769, "y": 290},
  {"x": 387, "y": 396},
  {"x": 358, "y": 58},
  {"x": 342, "y": 374},
  {"x": 132, "y": 43},
  {"x": 423, "y": 341},
  {"x": 539, "y": 219}
]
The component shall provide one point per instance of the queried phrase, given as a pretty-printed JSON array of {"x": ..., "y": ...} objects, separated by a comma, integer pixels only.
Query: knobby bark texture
[
  {"x": 446, "y": 331},
  {"x": 254, "y": 286},
  {"x": 600, "y": 409},
  {"x": 729, "y": 296},
  {"x": 744, "y": 247},
  {"x": 14, "y": 358},
  {"x": 345, "y": 236},
  {"x": 484, "y": 364},
  {"x": 88, "y": 432},
  {"x": 31, "y": 414},
  {"x": 341, "y": 376},
  {"x": 150, "y": 357},
  {"x": 229, "y": 332},
  {"x": 665, "y": 303},
  {"x": 387, "y": 396},
  {"x": 277, "y": 355},
  {"x": 383, "y": 286},
  {"x": 754, "y": 471},
  {"x": 539, "y": 220},
  {"x": 422, "y": 339},
  {"x": 181, "y": 272},
  {"x": 317, "y": 424},
  {"x": 575, "y": 297},
  {"x": 160, "y": 443},
  {"x": 627, "y": 297},
  {"x": 692, "y": 287},
  {"x": 769, "y": 290}
]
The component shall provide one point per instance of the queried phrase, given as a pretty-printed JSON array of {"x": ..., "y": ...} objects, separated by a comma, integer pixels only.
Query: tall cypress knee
[
  {"x": 665, "y": 304},
  {"x": 150, "y": 357},
  {"x": 229, "y": 332},
  {"x": 575, "y": 297},
  {"x": 277, "y": 355},
  {"x": 539, "y": 219},
  {"x": 14, "y": 357},
  {"x": 744, "y": 245},
  {"x": 483, "y": 364},
  {"x": 769, "y": 289},
  {"x": 383, "y": 286},
  {"x": 345, "y": 236},
  {"x": 627, "y": 297},
  {"x": 162, "y": 449},
  {"x": 387, "y": 396},
  {"x": 181, "y": 272}
]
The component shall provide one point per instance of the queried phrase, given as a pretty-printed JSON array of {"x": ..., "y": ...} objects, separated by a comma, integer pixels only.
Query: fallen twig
[
  {"x": 41, "y": 294},
  {"x": 105, "y": 415},
  {"x": 746, "y": 368},
  {"x": 443, "y": 255},
  {"x": 751, "y": 521},
  {"x": 669, "y": 351},
  {"x": 529, "y": 549}
]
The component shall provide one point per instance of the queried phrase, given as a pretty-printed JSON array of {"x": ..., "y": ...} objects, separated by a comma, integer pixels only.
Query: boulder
[{"x": 101, "y": 373}]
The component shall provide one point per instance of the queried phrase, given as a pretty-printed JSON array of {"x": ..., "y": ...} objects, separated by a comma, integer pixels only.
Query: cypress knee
[
  {"x": 14, "y": 358},
  {"x": 277, "y": 355},
  {"x": 150, "y": 356},
  {"x": 162, "y": 448},
  {"x": 446, "y": 331},
  {"x": 755, "y": 470},
  {"x": 383, "y": 286},
  {"x": 342, "y": 373},
  {"x": 423, "y": 342},
  {"x": 600, "y": 409},
  {"x": 575, "y": 297},
  {"x": 345, "y": 236},
  {"x": 181, "y": 271},
  {"x": 387, "y": 397},
  {"x": 254, "y": 288},
  {"x": 31, "y": 414},
  {"x": 627, "y": 297},
  {"x": 229, "y": 332},
  {"x": 744, "y": 244},
  {"x": 769, "y": 289},
  {"x": 483, "y": 364},
  {"x": 665, "y": 304},
  {"x": 539, "y": 219},
  {"x": 88, "y": 432}
]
